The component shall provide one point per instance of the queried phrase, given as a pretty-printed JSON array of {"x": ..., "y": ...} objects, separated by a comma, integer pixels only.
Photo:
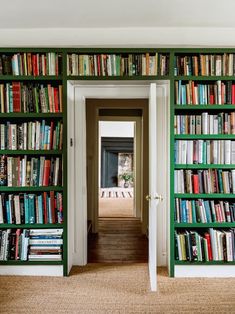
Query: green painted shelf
[
  {"x": 22, "y": 263},
  {"x": 204, "y": 166},
  {"x": 119, "y": 78},
  {"x": 31, "y": 189},
  {"x": 30, "y": 78},
  {"x": 205, "y": 136},
  {"x": 31, "y": 152},
  {"x": 204, "y": 78},
  {"x": 31, "y": 226},
  {"x": 31, "y": 115},
  {"x": 204, "y": 263},
  {"x": 204, "y": 107},
  {"x": 214, "y": 195},
  {"x": 206, "y": 225}
]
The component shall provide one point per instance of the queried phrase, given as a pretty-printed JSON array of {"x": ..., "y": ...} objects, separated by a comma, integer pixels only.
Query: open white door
[{"x": 153, "y": 197}]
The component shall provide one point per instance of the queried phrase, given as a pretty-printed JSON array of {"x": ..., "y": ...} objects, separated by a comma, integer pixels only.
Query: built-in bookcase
[
  {"x": 33, "y": 100},
  {"x": 202, "y": 158},
  {"x": 33, "y": 162},
  {"x": 118, "y": 64}
]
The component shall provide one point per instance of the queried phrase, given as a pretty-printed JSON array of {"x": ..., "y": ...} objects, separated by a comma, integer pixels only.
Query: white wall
[
  {"x": 116, "y": 129},
  {"x": 119, "y": 37}
]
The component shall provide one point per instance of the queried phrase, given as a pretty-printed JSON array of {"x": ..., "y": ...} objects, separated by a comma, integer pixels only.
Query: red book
[
  {"x": 46, "y": 172},
  {"x": 16, "y": 90},
  {"x": 34, "y": 61},
  {"x": 208, "y": 239},
  {"x": 45, "y": 207},
  {"x": 98, "y": 65},
  {"x": 52, "y": 202},
  {"x": 17, "y": 256},
  {"x": 56, "y": 99},
  {"x": 233, "y": 94},
  {"x": 195, "y": 184}
]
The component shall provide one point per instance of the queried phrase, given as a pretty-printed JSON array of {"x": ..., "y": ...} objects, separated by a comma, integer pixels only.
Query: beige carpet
[
  {"x": 116, "y": 207},
  {"x": 115, "y": 289}
]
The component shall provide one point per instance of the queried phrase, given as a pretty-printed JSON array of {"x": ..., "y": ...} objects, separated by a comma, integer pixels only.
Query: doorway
[
  {"x": 117, "y": 176},
  {"x": 117, "y": 168}
]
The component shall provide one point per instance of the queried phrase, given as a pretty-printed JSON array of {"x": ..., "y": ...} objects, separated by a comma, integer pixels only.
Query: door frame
[
  {"x": 93, "y": 106},
  {"x": 115, "y": 89}
]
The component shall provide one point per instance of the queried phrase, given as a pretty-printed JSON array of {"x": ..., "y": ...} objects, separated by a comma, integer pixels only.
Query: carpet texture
[
  {"x": 99, "y": 289},
  {"x": 116, "y": 207}
]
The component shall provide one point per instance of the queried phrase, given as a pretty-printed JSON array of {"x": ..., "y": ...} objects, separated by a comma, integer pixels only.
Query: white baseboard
[
  {"x": 205, "y": 271},
  {"x": 31, "y": 270}
]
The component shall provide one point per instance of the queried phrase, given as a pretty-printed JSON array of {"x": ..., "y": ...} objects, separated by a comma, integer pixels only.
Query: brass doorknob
[{"x": 148, "y": 198}]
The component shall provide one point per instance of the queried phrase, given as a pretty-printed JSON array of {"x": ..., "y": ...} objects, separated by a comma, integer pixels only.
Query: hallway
[{"x": 119, "y": 240}]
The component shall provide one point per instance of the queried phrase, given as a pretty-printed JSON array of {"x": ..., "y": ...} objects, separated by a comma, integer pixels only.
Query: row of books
[
  {"x": 30, "y": 171},
  {"x": 205, "y": 152},
  {"x": 205, "y": 65},
  {"x": 195, "y": 93},
  {"x": 31, "y": 244},
  {"x": 28, "y": 63},
  {"x": 204, "y": 181},
  {"x": 118, "y": 64},
  {"x": 26, "y": 208},
  {"x": 204, "y": 211},
  {"x": 22, "y": 97},
  {"x": 205, "y": 246},
  {"x": 221, "y": 123},
  {"x": 31, "y": 135}
]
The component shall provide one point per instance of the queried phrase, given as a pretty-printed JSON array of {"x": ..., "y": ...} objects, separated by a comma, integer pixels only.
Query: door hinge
[{"x": 71, "y": 142}]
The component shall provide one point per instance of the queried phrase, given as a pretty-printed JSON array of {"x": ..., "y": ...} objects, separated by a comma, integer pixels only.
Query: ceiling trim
[{"x": 119, "y": 37}]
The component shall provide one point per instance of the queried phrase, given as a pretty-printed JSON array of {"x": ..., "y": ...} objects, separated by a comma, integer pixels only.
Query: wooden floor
[{"x": 118, "y": 240}]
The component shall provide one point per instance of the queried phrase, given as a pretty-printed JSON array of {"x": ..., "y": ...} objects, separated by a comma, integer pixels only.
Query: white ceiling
[{"x": 116, "y": 13}]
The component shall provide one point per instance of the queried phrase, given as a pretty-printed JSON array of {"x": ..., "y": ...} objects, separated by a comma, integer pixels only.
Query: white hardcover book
[
  {"x": 222, "y": 152},
  {"x": 3, "y": 136},
  {"x": 190, "y": 153},
  {"x": 215, "y": 152},
  {"x": 176, "y": 181},
  {"x": 216, "y": 125},
  {"x": 233, "y": 180},
  {"x": 17, "y": 209},
  {"x": 38, "y": 135},
  {"x": 200, "y": 151},
  {"x": 46, "y": 232},
  {"x": 208, "y": 152},
  {"x": 45, "y": 241},
  {"x": 9, "y": 171},
  {"x": 211, "y": 124},
  {"x": 13, "y": 136},
  {"x": 23, "y": 171},
  {"x": 229, "y": 246},
  {"x": 205, "y": 128},
  {"x": 56, "y": 171},
  {"x": 232, "y": 152},
  {"x": 33, "y": 137},
  {"x": 220, "y": 245},
  {"x": 227, "y": 152},
  {"x": 184, "y": 152}
]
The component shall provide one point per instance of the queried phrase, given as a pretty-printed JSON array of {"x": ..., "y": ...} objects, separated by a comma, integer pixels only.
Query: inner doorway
[
  {"x": 117, "y": 167},
  {"x": 119, "y": 232}
]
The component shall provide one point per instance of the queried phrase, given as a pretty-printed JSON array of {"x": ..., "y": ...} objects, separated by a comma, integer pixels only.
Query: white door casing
[{"x": 135, "y": 89}]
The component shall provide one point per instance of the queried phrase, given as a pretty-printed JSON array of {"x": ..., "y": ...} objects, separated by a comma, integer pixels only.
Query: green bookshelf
[
  {"x": 39, "y": 79},
  {"x": 187, "y": 109}
]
